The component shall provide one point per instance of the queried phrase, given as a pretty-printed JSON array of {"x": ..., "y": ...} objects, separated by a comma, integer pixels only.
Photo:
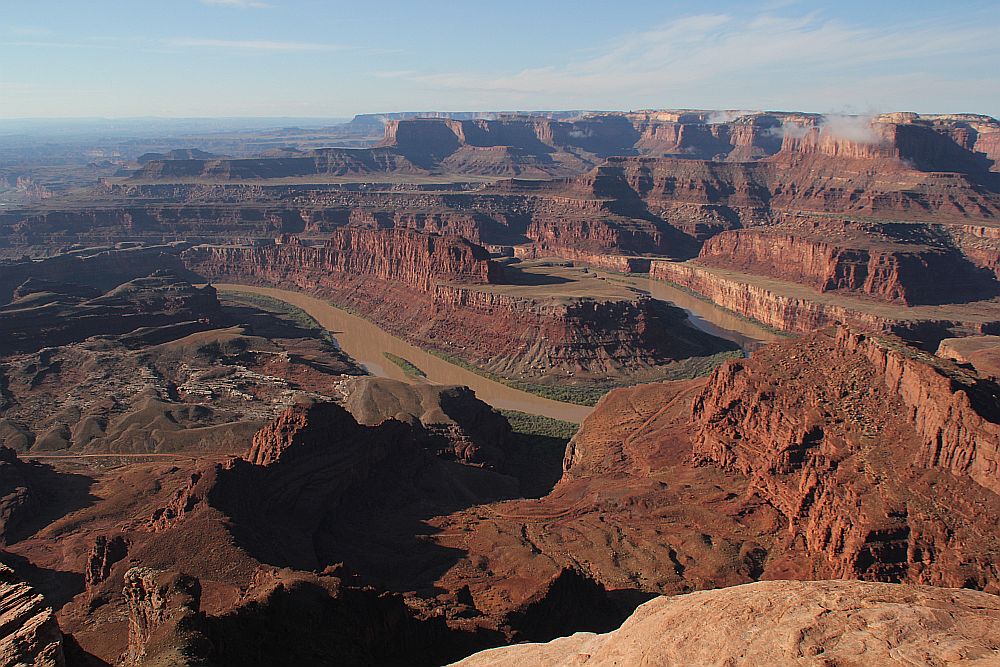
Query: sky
[{"x": 310, "y": 58}]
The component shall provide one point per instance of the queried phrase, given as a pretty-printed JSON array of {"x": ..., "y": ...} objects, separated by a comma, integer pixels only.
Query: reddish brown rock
[
  {"x": 413, "y": 259},
  {"x": 445, "y": 294},
  {"x": 794, "y": 308},
  {"x": 980, "y": 352},
  {"x": 452, "y": 420},
  {"x": 105, "y": 553},
  {"x": 29, "y": 634},
  {"x": 855, "y": 439},
  {"x": 890, "y": 263}
]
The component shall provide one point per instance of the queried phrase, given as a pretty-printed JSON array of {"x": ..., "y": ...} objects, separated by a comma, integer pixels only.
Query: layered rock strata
[
  {"x": 439, "y": 292},
  {"x": 793, "y": 308},
  {"x": 29, "y": 634},
  {"x": 878, "y": 261},
  {"x": 852, "y": 438}
]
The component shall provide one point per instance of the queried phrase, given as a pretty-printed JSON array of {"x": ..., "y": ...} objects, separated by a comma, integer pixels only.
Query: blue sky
[{"x": 308, "y": 58}]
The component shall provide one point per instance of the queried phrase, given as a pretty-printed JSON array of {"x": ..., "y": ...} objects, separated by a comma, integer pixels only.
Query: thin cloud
[
  {"x": 251, "y": 45},
  {"x": 237, "y": 4},
  {"x": 56, "y": 45},
  {"x": 701, "y": 56},
  {"x": 395, "y": 74}
]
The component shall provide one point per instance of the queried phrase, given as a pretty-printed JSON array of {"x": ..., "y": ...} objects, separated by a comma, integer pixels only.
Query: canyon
[
  {"x": 423, "y": 388},
  {"x": 872, "y": 461}
]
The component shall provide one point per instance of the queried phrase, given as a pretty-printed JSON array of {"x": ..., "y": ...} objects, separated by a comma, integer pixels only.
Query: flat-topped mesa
[
  {"x": 599, "y": 134},
  {"x": 895, "y": 144},
  {"x": 863, "y": 444},
  {"x": 709, "y": 135},
  {"x": 909, "y": 264},
  {"x": 409, "y": 257},
  {"x": 327, "y": 162}
]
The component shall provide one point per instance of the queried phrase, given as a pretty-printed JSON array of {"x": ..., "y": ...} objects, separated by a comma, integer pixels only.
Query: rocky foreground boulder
[
  {"x": 29, "y": 634},
  {"x": 843, "y": 623}
]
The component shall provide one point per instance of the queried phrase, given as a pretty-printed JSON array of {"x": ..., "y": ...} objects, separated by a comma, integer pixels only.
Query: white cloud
[
  {"x": 395, "y": 74},
  {"x": 722, "y": 59},
  {"x": 251, "y": 45},
  {"x": 237, "y": 4}
]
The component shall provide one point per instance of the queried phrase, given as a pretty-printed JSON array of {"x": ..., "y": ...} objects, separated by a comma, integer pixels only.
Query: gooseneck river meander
[{"x": 367, "y": 344}]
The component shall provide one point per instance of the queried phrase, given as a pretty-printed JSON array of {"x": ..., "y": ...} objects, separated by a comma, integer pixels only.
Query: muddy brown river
[
  {"x": 366, "y": 343},
  {"x": 707, "y": 316}
]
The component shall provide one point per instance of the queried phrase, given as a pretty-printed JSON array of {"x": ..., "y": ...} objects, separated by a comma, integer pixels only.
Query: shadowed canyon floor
[{"x": 667, "y": 488}]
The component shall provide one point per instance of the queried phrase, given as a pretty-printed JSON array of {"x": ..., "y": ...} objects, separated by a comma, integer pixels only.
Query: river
[
  {"x": 365, "y": 343},
  {"x": 706, "y": 316}
]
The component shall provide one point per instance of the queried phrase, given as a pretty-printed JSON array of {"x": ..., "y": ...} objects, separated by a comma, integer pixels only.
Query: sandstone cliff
[
  {"x": 852, "y": 438},
  {"x": 165, "y": 628},
  {"x": 793, "y": 308},
  {"x": 906, "y": 264},
  {"x": 414, "y": 259}
]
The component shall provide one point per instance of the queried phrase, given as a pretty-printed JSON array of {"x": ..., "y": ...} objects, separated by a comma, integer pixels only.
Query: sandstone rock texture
[
  {"x": 845, "y": 623},
  {"x": 413, "y": 259},
  {"x": 854, "y": 438},
  {"x": 454, "y": 421},
  {"x": 836, "y": 455},
  {"x": 29, "y": 634},
  {"x": 980, "y": 352},
  {"x": 794, "y": 308},
  {"x": 648, "y": 183},
  {"x": 884, "y": 261}
]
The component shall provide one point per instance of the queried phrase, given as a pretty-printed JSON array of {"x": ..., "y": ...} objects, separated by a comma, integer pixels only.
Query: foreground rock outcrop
[
  {"x": 908, "y": 264},
  {"x": 455, "y": 422},
  {"x": 165, "y": 627},
  {"x": 29, "y": 634},
  {"x": 846, "y": 623},
  {"x": 836, "y": 455}
]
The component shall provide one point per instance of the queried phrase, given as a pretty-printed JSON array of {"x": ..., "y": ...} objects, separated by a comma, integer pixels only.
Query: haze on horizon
[{"x": 308, "y": 58}]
